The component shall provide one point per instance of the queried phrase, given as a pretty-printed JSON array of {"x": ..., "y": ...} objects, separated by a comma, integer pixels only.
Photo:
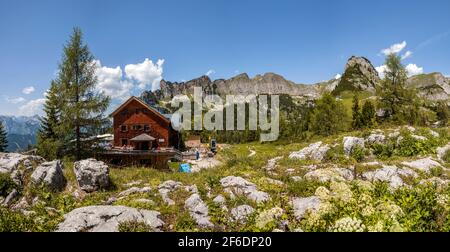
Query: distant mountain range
[
  {"x": 21, "y": 131},
  {"x": 359, "y": 74}
]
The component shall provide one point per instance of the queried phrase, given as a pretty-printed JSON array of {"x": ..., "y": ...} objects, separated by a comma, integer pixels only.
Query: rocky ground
[{"x": 377, "y": 180}]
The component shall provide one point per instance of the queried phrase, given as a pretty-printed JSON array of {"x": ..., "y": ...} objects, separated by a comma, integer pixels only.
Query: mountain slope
[{"x": 21, "y": 131}]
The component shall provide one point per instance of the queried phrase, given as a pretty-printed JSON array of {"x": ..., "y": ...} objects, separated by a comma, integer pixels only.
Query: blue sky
[{"x": 305, "y": 41}]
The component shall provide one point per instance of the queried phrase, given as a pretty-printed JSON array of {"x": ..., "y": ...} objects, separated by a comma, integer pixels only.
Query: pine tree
[
  {"x": 3, "y": 139},
  {"x": 82, "y": 107},
  {"x": 48, "y": 141},
  {"x": 442, "y": 113}
]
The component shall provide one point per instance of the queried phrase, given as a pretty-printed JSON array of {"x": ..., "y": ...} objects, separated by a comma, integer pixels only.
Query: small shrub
[
  {"x": 134, "y": 226},
  {"x": 6, "y": 184},
  {"x": 304, "y": 188},
  {"x": 358, "y": 153},
  {"x": 446, "y": 156}
]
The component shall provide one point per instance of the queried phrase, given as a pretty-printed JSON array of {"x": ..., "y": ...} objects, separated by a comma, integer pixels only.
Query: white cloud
[
  {"x": 28, "y": 90},
  {"x": 395, "y": 48},
  {"x": 338, "y": 76},
  {"x": 381, "y": 70},
  {"x": 146, "y": 73},
  {"x": 33, "y": 107},
  {"x": 210, "y": 72},
  {"x": 14, "y": 100},
  {"x": 413, "y": 69},
  {"x": 111, "y": 82},
  {"x": 407, "y": 55}
]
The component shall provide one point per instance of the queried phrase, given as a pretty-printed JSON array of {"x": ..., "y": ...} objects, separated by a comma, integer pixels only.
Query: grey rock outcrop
[
  {"x": 350, "y": 143},
  {"x": 198, "y": 210},
  {"x": 315, "y": 151},
  {"x": 391, "y": 174},
  {"x": 237, "y": 185},
  {"x": 241, "y": 213},
  {"x": 107, "y": 219},
  {"x": 91, "y": 174},
  {"x": 301, "y": 205},
  {"x": 50, "y": 174}
]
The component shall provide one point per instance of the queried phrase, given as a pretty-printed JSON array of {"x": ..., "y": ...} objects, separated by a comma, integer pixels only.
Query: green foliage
[
  {"x": 358, "y": 153},
  {"x": 442, "y": 113},
  {"x": 356, "y": 113},
  {"x": 3, "y": 139},
  {"x": 398, "y": 102},
  {"x": 410, "y": 146},
  {"x": 368, "y": 114},
  {"x": 11, "y": 221},
  {"x": 329, "y": 116},
  {"x": 134, "y": 226},
  {"x": 81, "y": 107},
  {"x": 48, "y": 140},
  {"x": 304, "y": 187},
  {"x": 6, "y": 184},
  {"x": 446, "y": 156}
]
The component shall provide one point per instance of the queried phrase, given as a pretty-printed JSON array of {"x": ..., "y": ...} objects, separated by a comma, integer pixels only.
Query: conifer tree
[
  {"x": 356, "y": 113},
  {"x": 48, "y": 141},
  {"x": 82, "y": 107},
  {"x": 396, "y": 100},
  {"x": 329, "y": 116},
  {"x": 3, "y": 139},
  {"x": 368, "y": 114}
]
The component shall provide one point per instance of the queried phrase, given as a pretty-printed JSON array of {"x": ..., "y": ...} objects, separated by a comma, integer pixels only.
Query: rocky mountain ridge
[{"x": 359, "y": 75}]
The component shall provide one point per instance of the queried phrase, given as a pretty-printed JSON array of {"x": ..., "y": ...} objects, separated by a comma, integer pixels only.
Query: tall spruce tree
[
  {"x": 3, "y": 139},
  {"x": 368, "y": 114},
  {"x": 329, "y": 116},
  {"x": 82, "y": 108},
  {"x": 48, "y": 140}
]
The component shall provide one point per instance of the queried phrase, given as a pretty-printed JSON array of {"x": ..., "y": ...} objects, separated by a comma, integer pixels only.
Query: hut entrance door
[{"x": 145, "y": 146}]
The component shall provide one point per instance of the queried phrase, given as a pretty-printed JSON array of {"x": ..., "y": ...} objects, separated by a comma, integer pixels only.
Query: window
[
  {"x": 137, "y": 127},
  {"x": 146, "y": 128},
  {"x": 124, "y": 141},
  {"x": 123, "y": 128}
]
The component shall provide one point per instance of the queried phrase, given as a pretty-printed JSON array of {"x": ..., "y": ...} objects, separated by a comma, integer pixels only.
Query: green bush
[
  {"x": 358, "y": 153},
  {"x": 6, "y": 184},
  {"x": 446, "y": 156},
  {"x": 11, "y": 221},
  {"x": 134, "y": 226}
]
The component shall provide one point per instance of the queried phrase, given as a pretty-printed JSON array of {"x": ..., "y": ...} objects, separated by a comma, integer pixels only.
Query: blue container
[{"x": 184, "y": 168}]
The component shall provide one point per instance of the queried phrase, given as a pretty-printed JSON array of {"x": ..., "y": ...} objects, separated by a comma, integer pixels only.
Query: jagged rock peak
[{"x": 359, "y": 75}]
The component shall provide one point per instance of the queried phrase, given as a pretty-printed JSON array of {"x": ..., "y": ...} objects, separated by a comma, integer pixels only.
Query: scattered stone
[
  {"x": 135, "y": 190},
  {"x": 50, "y": 174},
  {"x": 350, "y": 143},
  {"x": 91, "y": 174},
  {"x": 198, "y": 211},
  {"x": 290, "y": 171},
  {"x": 391, "y": 174},
  {"x": 203, "y": 164},
  {"x": 9, "y": 162},
  {"x": 21, "y": 205},
  {"x": 191, "y": 189},
  {"x": 252, "y": 153},
  {"x": 442, "y": 150},
  {"x": 268, "y": 216},
  {"x": 301, "y": 205},
  {"x": 239, "y": 185},
  {"x": 219, "y": 200},
  {"x": 133, "y": 183},
  {"x": 394, "y": 134},
  {"x": 241, "y": 213},
  {"x": 434, "y": 133},
  {"x": 272, "y": 163},
  {"x": 330, "y": 174},
  {"x": 167, "y": 187},
  {"x": 376, "y": 139},
  {"x": 425, "y": 164},
  {"x": 107, "y": 219},
  {"x": 296, "y": 178},
  {"x": 315, "y": 151},
  {"x": 111, "y": 200},
  {"x": 435, "y": 181},
  {"x": 10, "y": 198}
]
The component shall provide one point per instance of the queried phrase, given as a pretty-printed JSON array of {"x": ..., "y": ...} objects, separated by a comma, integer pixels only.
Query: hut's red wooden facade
[{"x": 138, "y": 125}]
